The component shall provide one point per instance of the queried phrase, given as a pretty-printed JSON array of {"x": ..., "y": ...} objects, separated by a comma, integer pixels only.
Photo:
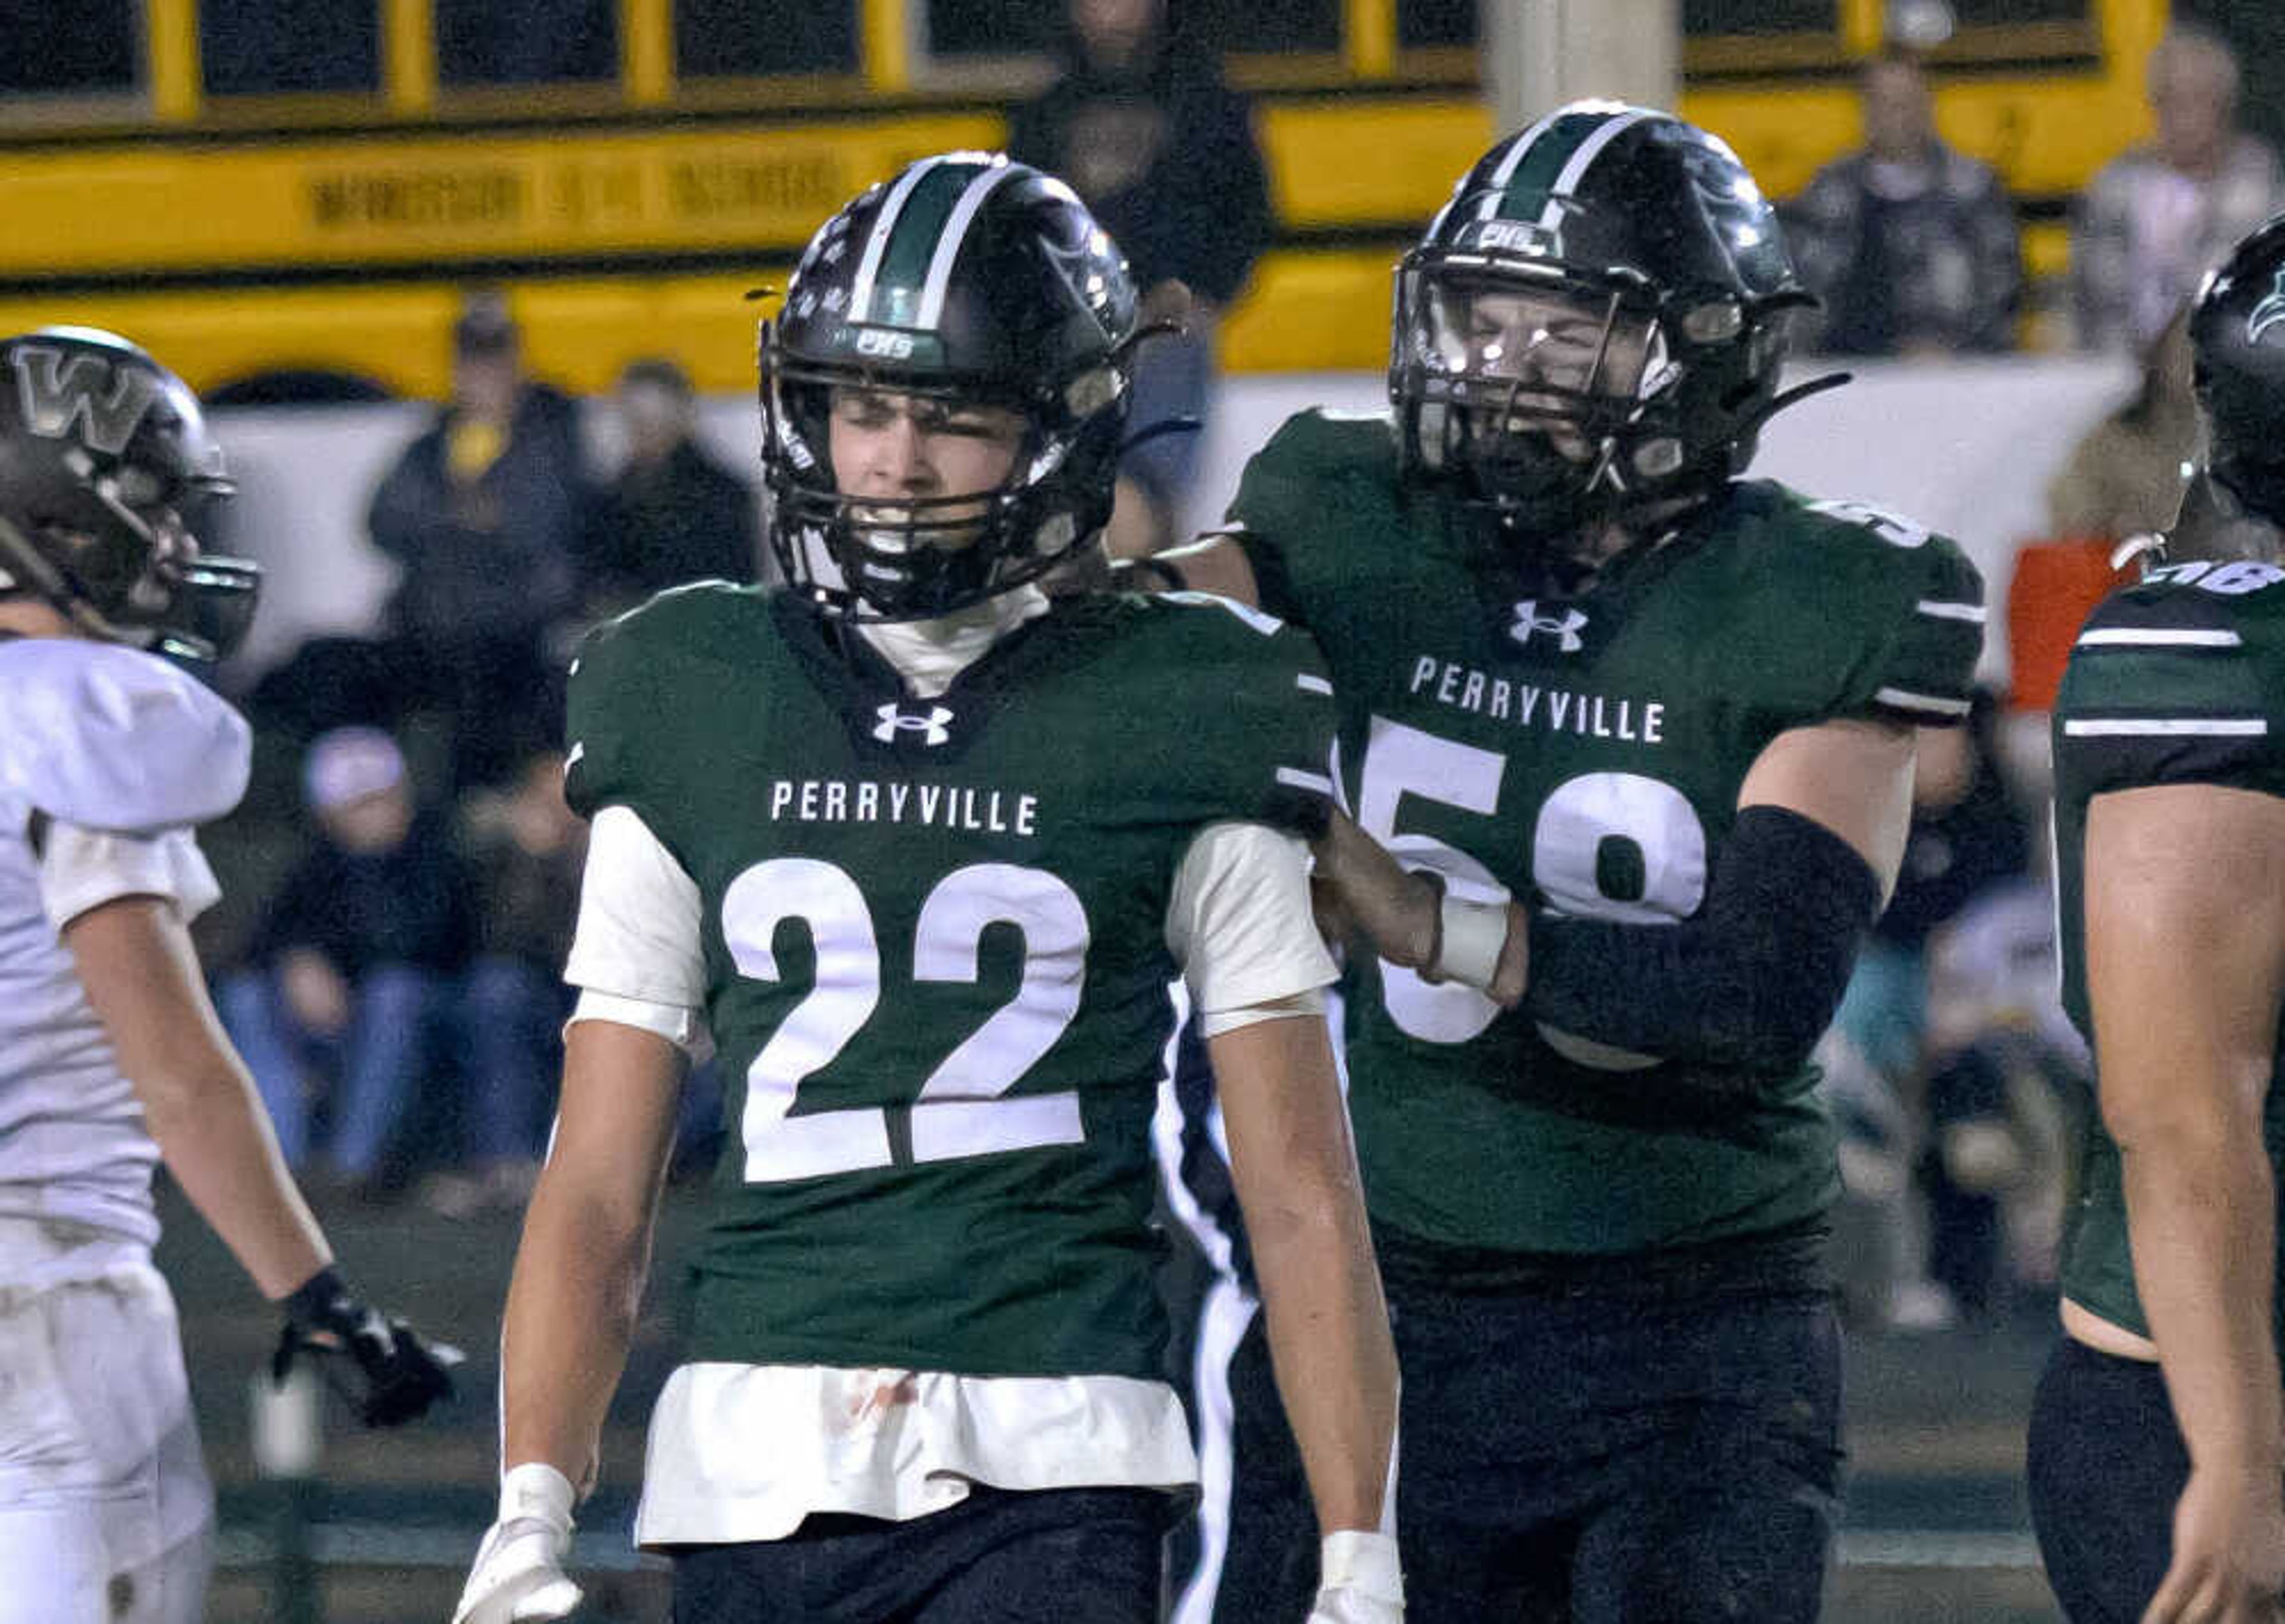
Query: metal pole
[
  {"x": 1541, "y": 54},
  {"x": 288, "y": 1438}
]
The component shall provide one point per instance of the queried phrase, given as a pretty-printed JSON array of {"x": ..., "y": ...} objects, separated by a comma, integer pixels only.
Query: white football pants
[{"x": 105, "y": 1513}]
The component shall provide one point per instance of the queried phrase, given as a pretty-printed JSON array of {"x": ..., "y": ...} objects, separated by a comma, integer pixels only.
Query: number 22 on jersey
[
  {"x": 963, "y": 1107},
  {"x": 1617, "y": 846}
]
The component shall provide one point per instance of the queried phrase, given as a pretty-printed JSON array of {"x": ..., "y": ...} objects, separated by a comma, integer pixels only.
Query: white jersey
[{"x": 107, "y": 757}]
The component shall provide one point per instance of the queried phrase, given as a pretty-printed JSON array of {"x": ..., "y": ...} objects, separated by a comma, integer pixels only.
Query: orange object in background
[{"x": 2055, "y": 588}]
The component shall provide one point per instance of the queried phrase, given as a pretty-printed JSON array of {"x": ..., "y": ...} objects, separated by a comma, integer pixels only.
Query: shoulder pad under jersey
[{"x": 112, "y": 738}]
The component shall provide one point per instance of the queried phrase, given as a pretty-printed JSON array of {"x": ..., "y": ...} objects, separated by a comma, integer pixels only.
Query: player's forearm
[
  {"x": 1747, "y": 984},
  {"x": 1295, "y": 1173},
  {"x": 141, "y": 976},
  {"x": 571, "y": 1310},
  {"x": 1395, "y": 911},
  {"x": 1411, "y": 920},
  {"x": 1329, "y": 1340},
  {"x": 218, "y": 1144},
  {"x": 2201, "y": 1207}
]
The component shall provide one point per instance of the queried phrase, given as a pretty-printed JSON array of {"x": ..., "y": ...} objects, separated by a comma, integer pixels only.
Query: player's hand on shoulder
[
  {"x": 519, "y": 1569},
  {"x": 388, "y": 1373},
  {"x": 1360, "y": 1581}
]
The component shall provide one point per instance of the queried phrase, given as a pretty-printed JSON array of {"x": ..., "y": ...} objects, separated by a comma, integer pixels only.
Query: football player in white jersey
[{"x": 111, "y": 1057}]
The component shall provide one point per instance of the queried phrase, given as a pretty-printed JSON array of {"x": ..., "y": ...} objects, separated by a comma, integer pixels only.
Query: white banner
[{"x": 1966, "y": 448}]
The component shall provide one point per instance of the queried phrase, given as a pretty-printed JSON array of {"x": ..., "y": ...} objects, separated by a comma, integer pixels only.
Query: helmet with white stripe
[
  {"x": 1594, "y": 322},
  {"x": 967, "y": 281}
]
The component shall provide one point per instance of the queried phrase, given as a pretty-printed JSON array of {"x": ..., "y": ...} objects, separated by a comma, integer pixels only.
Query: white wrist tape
[
  {"x": 1353, "y": 1559},
  {"x": 1473, "y": 934},
  {"x": 537, "y": 1490}
]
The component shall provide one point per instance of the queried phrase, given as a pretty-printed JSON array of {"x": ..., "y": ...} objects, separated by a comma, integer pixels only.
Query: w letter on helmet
[{"x": 58, "y": 388}]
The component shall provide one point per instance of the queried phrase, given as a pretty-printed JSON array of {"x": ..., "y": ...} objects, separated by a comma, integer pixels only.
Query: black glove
[{"x": 397, "y": 1376}]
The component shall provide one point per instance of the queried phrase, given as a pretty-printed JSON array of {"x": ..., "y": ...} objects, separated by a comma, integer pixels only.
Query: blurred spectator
[
  {"x": 1875, "y": 1251},
  {"x": 1967, "y": 836},
  {"x": 349, "y": 966},
  {"x": 1912, "y": 245},
  {"x": 2126, "y": 477},
  {"x": 2002, "y": 1059},
  {"x": 1966, "y": 832},
  {"x": 2155, "y": 218},
  {"x": 673, "y": 513},
  {"x": 1141, "y": 126},
  {"x": 525, "y": 850},
  {"x": 483, "y": 511}
]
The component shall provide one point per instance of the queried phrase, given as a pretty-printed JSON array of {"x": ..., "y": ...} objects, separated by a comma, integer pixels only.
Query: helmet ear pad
[{"x": 1012, "y": 296}]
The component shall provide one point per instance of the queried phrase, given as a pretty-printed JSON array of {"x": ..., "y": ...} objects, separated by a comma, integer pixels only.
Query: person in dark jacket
[
  {"x": 483, "y": 513},
  {"x": 673, "y": 514},
  {"x": 353, "y": 961},
  {"x": 1163, "y": 154},
  {"x": 1912, "y": 245}
]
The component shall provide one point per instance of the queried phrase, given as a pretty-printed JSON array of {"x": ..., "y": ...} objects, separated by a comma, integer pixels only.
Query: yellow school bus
[{"x": 250, "y": 185}]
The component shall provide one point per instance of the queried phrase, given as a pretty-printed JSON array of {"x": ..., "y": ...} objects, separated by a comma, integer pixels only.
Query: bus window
[
  {"x": 251, "y": 47},
  {"x": 994, "y": 27},
  {"x": 526, "y": 42},
  {"x": 1276, "y": 26},
  {"x": 1703, "y": 17},
  {"x": 1422, "y": 24},
  {"x": 91, "y": 48},
  {"x": 1999, "y": 13},
  {"x": 733, "y": 39}
]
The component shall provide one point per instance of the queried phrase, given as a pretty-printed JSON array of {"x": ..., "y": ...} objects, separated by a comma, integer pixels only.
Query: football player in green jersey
[
  {"x": 2157, "y": 1467},
  {"x": 1671, "y": 713},
  {"x": 921, "y": 848}
]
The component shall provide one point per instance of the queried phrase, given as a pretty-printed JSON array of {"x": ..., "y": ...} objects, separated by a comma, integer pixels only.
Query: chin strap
[
  {"x": 1792, "y": 397},
  {"x": 2148, "y": 549},
  {"x": 1124, "y": 350},
  {"x": 1159, "y": 430}
]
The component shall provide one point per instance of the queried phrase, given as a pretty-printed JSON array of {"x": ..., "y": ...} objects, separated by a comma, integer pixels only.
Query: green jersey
[
  {"x": 933, "y": 932},
  {"x": 2177, "y": 680},
  {"x": 1585, "y": 754}
]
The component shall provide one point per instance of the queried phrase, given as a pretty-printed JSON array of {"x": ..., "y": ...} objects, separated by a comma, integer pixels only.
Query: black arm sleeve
[{"x": 1750, "y": 982}]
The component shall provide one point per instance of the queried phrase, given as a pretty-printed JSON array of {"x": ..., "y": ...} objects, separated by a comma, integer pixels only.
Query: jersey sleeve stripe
[
  {"x": 1309, "y": 682},
  {"x": 1932, "y": 704},
  {"x": 1936, "y": 608},
  {"x": 2154, "y": 727},
  {"x": 1295, "y": 777},
  {"x": 2158, "y": 637}
]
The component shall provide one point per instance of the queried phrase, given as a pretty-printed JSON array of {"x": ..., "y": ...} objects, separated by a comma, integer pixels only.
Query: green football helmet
[
  {"x": 1594, "y": 323},
  {"x": 967, "y": 280}
]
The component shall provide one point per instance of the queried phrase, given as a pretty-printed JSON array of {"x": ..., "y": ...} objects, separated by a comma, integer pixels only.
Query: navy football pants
[
  {"x": 1611, "y": 1451},
  {"x": 1044, "y": 1556},
  {"x": 2107, "y": 1464}
]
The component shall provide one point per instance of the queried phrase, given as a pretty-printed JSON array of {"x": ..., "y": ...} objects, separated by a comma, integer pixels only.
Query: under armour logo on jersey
[
  {"x": 934, "y": 724},
  {"x": 1563, "y": 628}
]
